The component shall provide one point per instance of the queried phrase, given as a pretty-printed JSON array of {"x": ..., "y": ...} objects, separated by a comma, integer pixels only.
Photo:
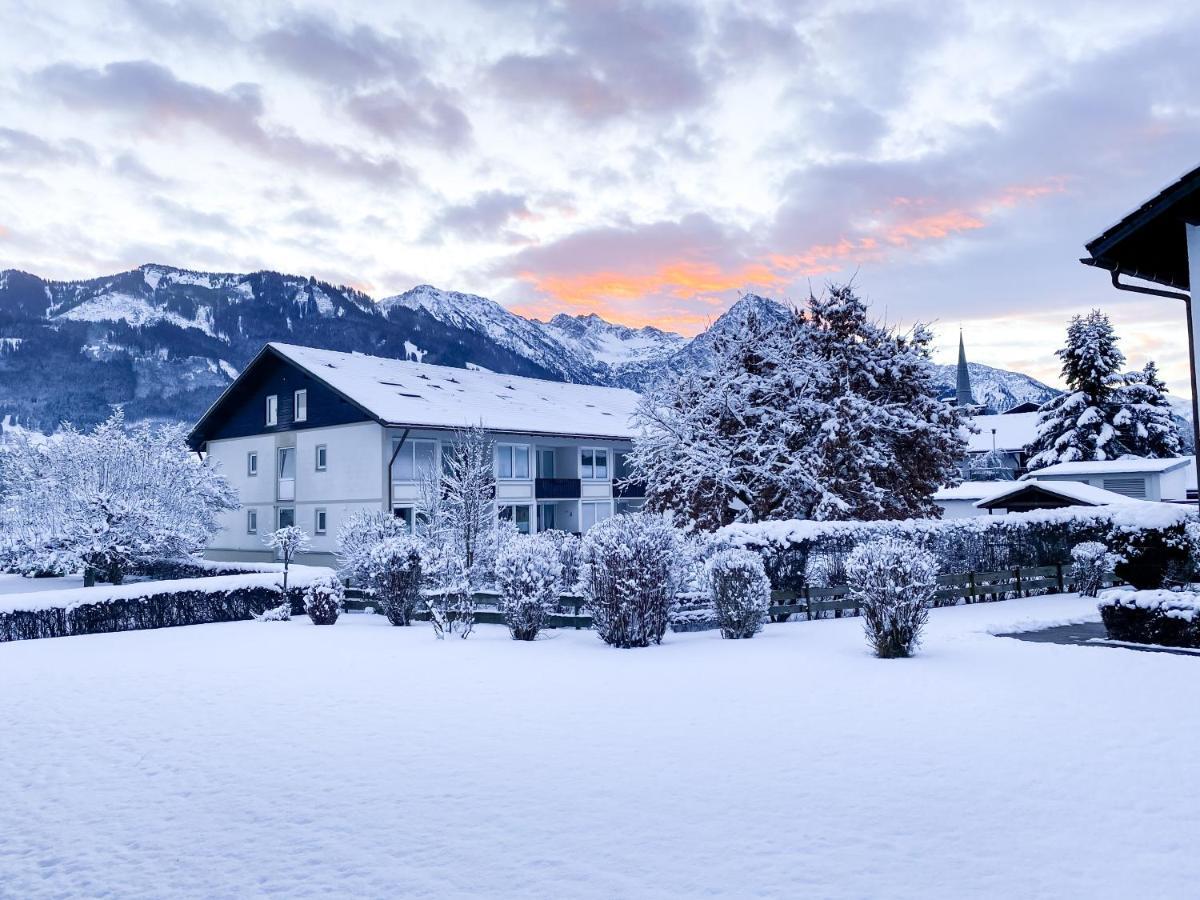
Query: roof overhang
[
  {"x": 1029, "y": 490},
  {"x": 1151, "y": 243}
]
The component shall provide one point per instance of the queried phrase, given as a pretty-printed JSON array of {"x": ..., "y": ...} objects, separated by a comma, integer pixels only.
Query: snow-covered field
[{"x": 363, "y": 760}]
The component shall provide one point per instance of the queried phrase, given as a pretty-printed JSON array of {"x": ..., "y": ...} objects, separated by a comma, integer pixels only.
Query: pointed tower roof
[{"x": 962, "y": 391}]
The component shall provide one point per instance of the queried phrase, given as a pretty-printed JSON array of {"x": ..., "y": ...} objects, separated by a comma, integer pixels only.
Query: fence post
[
  {"x": 970, "y": 587},
  {"x": 1062, "y": 587},
  {"x": 1017, "y": 575},
  {"x": 807, "y": 604}
]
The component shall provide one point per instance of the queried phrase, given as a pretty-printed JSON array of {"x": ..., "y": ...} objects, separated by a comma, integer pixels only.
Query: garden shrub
[
  {"x": 893, "y": 581},
  {"x": 1150, "y": 557},
  {"x": 323, "y": 601},
  {"x": 528, "y": 573},
  {"x": 393, "y": 572},
  {"x": 1090, "y": 564},
  {"x": 628, "y": 576},
  {"x": 1169, "y": 618},
  {"x": 740, "y": 592}
]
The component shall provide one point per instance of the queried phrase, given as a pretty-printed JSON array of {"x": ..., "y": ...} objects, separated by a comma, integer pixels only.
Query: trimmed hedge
[
  {"x": 162, "y": 608},
  {"x": 1169, "y": 618}
]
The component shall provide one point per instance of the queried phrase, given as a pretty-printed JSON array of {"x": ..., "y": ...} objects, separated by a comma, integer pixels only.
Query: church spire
[{"x": 962, "y": 392}]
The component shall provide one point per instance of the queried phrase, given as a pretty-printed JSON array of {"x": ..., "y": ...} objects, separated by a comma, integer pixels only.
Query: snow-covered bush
[
  {"x": 567, "y": 546},
  {"x": 528, "y": 576},
  {"x": 1150, "y": 558},
  {"x": 740, "y": 592},
  {"x": 1170, "y": 618},
  {"x": 357, "y": 537},
  {"x": 628, "y": 577},
  {"x": 448, "y": 594},
  {"x": 1090, "y": 563},
  {"x": 892, "y": 581},
  {"x": 287, "y": 542},
  {"x": 693, "y": 609},
  {"x": 108, "y": 500},
  {"x": 394, "y": 574},
  {"x": 323, "y": 601},
  {"x": 280, "y": 613}
]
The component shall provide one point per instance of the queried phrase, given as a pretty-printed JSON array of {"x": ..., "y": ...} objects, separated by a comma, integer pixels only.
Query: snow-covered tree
[
  {"x": 823, "y": 414},
  {"x": 528, "y": 576},
  {"x": 628, "y": 576},
  {"x": 287, "y": 542},
  {"x": 323, "y": 600},
  {"x": 361, "y": 531},
  {"x": 107, "y": 500},
  {"x": 394, "y": 574},
  {"x": 740, "y": 592},
  {"x": 1103, "y": 414},
  {"x": 893, "y": 581}
]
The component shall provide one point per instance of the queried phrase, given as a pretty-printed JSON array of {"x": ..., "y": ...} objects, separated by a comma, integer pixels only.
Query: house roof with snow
[
  {"x": 398, "y": 393},
  {"x": 1109, "y": 467},
  {"x": 1064, "y": 493},
  {"x": 971, "y": 490},
  {"x": 1014, "y": 431}
]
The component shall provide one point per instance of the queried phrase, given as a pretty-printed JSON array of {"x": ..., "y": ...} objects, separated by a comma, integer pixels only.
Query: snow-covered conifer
[
  {"x": 528, "y": 576},
  {"x": 628, "y": 576},
  {"x": 740, "y": 592},
  {"x": 893, "y": 581},
  {"x": 1145, "y": 421}
]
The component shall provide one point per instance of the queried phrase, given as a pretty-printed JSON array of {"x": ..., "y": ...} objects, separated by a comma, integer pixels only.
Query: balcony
[
  {"x": 629, "y": 490},
  {"x": 556, "y": 488}
]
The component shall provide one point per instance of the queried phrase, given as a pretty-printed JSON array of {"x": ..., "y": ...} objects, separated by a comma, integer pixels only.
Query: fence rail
[{"x": 971, "y": 587}]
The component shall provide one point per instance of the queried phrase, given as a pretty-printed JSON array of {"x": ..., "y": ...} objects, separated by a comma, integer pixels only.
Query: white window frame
[
  {"x": 512, "y": 517},
  {"x": 511, "y": 451},
  {"x": 272, "y": 410},
  {"x": 544, "y": 453},
  {"x": 252, "y": 464},
  {"x": 320, "y": 520},
  {"x": 321, "y": 452},
  {"x": 541, "y": 517},
  {"x": 300, "y": 405},
  {"x": 409, "y": 449},
  {"x": 596, "y": 505},
  {"x": 252, "y": 521},
  {"x": 407, "y": 513},
  {"x": 279, "y": 511},
  {"x": 589, "y": 473}
]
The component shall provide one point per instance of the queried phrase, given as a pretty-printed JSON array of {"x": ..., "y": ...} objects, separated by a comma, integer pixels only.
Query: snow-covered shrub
[
  {"x": 357, "y": 537},
  {"x": 287, "y": 542},
  {"x": 394, "y": 574},
  {"x": 448, "y": 594},
  {"x": 1152, "y": 557},
  {"x": 280, "y": 613},
  {"x": 323, "y": 601},
  {"x": 528, "y": 576},
  {"x": 693, "y": 609},
  {"x": 892, "y": 581},
  {"x": 1090, "y": 563},
  {"x": 628, "y": 575},
  {"x": 567, "y": 546},
  {"x": 740, "y": 592},
  {"x": 1170, "y": 618}
]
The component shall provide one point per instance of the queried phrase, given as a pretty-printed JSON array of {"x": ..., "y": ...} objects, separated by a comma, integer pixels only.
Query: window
[
  {"x": 518, "y": 515},
  {"x": 319, "y": 522},
  {"x": 300, "y": 406},
  {"x": 252, "y": 463},
  {"x": 285, "y": 517},
  {"x": 413, "y": 460},
  {"x": 286, "y": 487},
  {"x": 405, "y": 515},
  {"x": 546, "y": 516},
  {"x": 621, "y": 465},
  {"x": 512, "y": 461},
  {"x": 252, "y": 521},
  {"x": 272, "y": 410},
  {"x": 591, "y": 513},
  {"x": 322, "y": 458},
  {"x": 593, "y": 463},
  {"x": 545, "y": 464}
]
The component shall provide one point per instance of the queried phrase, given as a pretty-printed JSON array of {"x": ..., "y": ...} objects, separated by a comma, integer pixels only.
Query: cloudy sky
[{"x": 647, "y": 161}]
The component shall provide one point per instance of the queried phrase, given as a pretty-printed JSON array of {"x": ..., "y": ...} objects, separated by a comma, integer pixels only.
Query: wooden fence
[{"x": 970, "y": 587}]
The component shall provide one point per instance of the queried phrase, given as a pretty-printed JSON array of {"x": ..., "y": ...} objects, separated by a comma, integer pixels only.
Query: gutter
[{"x": 391, "y": 482}]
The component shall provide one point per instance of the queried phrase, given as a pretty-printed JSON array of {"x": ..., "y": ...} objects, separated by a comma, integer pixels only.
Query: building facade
[{"x": 309, "y": 436}]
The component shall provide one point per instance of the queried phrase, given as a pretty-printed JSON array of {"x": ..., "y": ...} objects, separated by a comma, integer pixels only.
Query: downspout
[
  {"x": 1187, "y": 309},
  {"x": 391, "y": 482}
]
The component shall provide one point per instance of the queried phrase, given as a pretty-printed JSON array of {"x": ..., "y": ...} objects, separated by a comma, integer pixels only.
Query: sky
[{"x": 647, "y": 161}]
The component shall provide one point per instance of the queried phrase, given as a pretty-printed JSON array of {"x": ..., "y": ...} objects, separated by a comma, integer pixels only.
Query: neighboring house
[
  {"x": 960, "y": 501},
  {"x": 1144, "y": 479},
  {"x": 997, "y": 445},
  {"x": 1023, "y": 496},
  {"x": 307, "y": 436}
]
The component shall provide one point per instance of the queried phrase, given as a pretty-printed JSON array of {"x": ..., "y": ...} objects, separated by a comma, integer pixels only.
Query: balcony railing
[
  {"x": 287, "y": 488},
  {"x": 628, "y": 490},
  {"x": 556, "y": 488}
]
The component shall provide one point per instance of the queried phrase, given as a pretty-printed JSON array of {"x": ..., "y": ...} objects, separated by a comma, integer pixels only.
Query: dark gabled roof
[{"x": 1151, "y": 243}]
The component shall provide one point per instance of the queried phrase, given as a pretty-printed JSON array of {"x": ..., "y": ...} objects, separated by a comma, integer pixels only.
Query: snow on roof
[
  {"x": 1109, "y": 467},
  {"x": 1075, "y": 491},
  {"x": 398, "y": 392},
  {"x": 971, "y": 490},
  {"x": 1014, "y": 431}
]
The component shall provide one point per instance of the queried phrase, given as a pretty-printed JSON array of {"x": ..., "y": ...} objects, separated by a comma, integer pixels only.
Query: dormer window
[
  {"x": 272, "y": 410},
  {"x": 301, "y": 406}
]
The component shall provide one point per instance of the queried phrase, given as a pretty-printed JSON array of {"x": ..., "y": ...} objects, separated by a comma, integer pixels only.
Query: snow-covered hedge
[
  {"x": 149, "y": 604},
  {"x": 981, "y": 543},
  {"x": 1171, "y": 618},
  {"x": 194, "y": 567}
]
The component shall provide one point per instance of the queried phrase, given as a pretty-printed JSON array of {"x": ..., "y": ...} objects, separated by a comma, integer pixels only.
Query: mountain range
[{"x": 165, "y": 341}]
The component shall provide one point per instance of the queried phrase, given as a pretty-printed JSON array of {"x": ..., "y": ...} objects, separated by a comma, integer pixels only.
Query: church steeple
[{"x": 962, "y": 391}]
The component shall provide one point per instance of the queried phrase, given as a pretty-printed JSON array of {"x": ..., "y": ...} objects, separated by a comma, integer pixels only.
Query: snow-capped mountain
[
  {"x": 997, "y": 389},
  {"x": 165, "y": 341}
]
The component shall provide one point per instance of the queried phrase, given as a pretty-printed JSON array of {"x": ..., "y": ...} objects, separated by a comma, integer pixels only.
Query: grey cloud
[
  {"x": 391, "y": 114},
  {"x": 128, "y": 165},
  {"x": 483, "y": 218},
  {"x": 181, "y": 20},
  {"x": 312, "y": 217},
  {"x": 317, "y": 49},
  {"x": 181, "y": 214},
  {"x": 23, "y": 147}
]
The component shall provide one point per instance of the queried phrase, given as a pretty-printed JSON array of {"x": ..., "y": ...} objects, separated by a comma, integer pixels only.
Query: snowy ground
[
  {"x": 364, "y": 760},
  {"x": 19, "y": 584}
]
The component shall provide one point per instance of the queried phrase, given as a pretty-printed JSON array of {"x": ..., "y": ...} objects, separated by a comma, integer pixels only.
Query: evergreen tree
[{"x": 1146, "y": 422}]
